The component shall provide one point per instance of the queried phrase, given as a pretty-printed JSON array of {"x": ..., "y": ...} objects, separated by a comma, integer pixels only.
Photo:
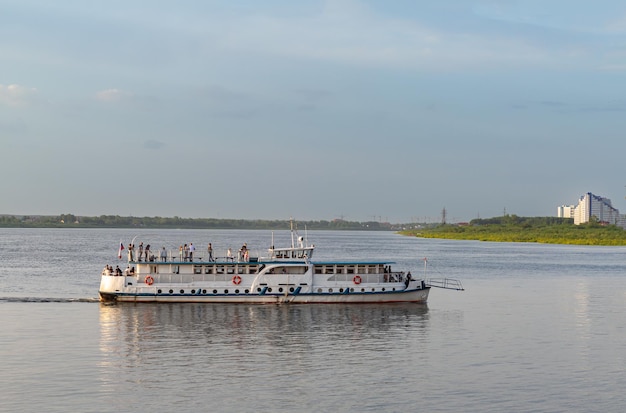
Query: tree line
[{"x": 116, "y": 221}]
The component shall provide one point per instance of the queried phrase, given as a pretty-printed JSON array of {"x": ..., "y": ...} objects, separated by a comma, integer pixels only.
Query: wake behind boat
[{"x": 285, "y": 275}]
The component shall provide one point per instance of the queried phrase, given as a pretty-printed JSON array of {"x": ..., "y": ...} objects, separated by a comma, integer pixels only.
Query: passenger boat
[{"x": 285, "y": 275}]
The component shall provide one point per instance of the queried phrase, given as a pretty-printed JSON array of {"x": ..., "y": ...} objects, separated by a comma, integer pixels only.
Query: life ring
[
  {"x": 149, "y": 280},
  {"x": 357, "y": 279},
  {"x": 236, "y": 280}
]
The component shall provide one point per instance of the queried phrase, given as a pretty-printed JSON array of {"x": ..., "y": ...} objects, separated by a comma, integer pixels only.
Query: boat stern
[{"x": 110, "y": 286}]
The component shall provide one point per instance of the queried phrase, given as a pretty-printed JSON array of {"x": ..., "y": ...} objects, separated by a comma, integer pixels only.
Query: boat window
[
  {"x": 230, "y": 270},
  {"x": 240, "y": 269},
  {"x": 318, "y": 269},
  {"x": 208, "y": 269},
  {"x": 279, "y": 254},
  {"x": 350, "y": 269},
  {"x": 197, "y": 269},
  {"x": 220, "y": 269}
]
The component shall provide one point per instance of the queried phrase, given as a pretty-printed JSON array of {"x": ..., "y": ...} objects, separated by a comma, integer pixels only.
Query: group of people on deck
[
  {"x": 117, "y": 271},
  {"x": 186, "y": 253},
  {"x": 144, "y": 254}
]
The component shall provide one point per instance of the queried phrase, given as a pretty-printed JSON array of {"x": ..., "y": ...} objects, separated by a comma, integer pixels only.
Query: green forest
[
  {"x": 511, "y": 228},
  {"x": 116, "y": 221}
]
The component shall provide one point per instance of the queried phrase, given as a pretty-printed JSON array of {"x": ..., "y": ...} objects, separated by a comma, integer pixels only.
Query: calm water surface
[{"x": 540, "y": 328}]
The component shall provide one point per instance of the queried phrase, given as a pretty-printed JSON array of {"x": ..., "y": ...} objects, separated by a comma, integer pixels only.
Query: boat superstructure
[{"x": 285, "y": 275}]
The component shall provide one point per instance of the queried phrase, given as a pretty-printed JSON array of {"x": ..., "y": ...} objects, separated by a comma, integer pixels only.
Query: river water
[{"x": 539, "y": 328}]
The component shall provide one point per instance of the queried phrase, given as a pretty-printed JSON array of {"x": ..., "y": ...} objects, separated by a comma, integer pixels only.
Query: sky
[{"x": 355, "y": 109}]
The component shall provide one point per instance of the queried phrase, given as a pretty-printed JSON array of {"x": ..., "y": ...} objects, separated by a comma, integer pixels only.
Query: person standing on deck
[
  {"x": 163, "y": 254},
  {"x": 210, "y": 252},
  {"x": 140, "y": 250},
  {"x": 191, "y": 250}
]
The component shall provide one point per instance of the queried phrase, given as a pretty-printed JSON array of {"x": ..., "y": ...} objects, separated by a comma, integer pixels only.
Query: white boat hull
[{"x": 134, "y": 289}]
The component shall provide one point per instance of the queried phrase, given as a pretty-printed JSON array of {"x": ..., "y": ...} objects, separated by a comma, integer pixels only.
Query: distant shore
[
  {"x": 529, "y": 230},
  {"x": 116, "y": 221}
]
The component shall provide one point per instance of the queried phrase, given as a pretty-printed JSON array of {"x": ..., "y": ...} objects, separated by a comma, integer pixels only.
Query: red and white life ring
[
  {"x": 149, "y": 280},
  {"x": 357, "y": 279},
  {"x": 236, "y": 280}
]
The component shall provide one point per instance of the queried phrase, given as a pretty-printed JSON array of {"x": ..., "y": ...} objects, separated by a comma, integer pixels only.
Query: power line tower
[{"x": 444, "y": 213}]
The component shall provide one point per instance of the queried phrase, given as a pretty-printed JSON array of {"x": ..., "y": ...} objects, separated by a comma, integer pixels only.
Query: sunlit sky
[{"x": 362, "y": 110}]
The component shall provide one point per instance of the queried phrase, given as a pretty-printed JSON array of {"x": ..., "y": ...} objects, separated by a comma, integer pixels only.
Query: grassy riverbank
[{"x": 520, "y": 229}]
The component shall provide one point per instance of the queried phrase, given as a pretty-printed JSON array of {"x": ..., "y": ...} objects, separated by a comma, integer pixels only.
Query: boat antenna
[{"x": 293, "y": 243}]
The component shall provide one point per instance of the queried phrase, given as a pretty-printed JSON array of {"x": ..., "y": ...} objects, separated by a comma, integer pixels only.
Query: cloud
[
  {"x": 153, "y": 144},
  {"x": 16, "y": 95},
  {"x": 617, "y": 26},
  {"x": 351, "y": 33},
  {"x": 113, "y": 95}
]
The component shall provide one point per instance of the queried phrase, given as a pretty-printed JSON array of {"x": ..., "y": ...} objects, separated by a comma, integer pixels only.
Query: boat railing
[
  {"x": 446, "y": 283},
  {"x": 175, "y": 256}
]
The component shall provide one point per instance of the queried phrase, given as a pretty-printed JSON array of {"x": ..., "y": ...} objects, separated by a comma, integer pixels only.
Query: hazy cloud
[
  {"x": 16, "y": 95},
  {"x": 153, "y": 144},
  {"x": 112, "y": 95}
]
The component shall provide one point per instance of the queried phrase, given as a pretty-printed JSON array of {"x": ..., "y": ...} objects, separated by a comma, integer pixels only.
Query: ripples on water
[{"x": 538, "y": 329}]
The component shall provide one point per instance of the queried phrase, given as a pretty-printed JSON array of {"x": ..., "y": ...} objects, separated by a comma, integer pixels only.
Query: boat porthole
[
  {"x": 225, "y": 291},
  {"x": 393, "y": 289},
  {"x": 193, "y": 291},
  {"x": 374, "y": 289},
  {"x": 291, "y": 290},
  {"x": 319, "y": 290},
  {"x": 203, "y": 291},
  {"x": 362, "y": 290},
  {"x": 341, "y": 290},
  {"x": 280, "y": 290},
  {"x": 383, "y": 289},
  {"x": 236, "y": 291},
  {"x": 214, "y": 291},
  {"x": 269, "y": 290},
  {"x": 159, "y": 291},
  {"x": 171, "y": 291},
  {"x": 247, "y": 291},
  {"x": 182, "y": 291},
  {"x": 330, "y": 290},
  {"x": 351, "y": 290}
]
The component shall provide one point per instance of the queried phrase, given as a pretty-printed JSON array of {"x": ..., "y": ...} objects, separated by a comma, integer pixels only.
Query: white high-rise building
[
  {"x": 565, "y": 211},
  {"x": 592, "y": 205}
]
